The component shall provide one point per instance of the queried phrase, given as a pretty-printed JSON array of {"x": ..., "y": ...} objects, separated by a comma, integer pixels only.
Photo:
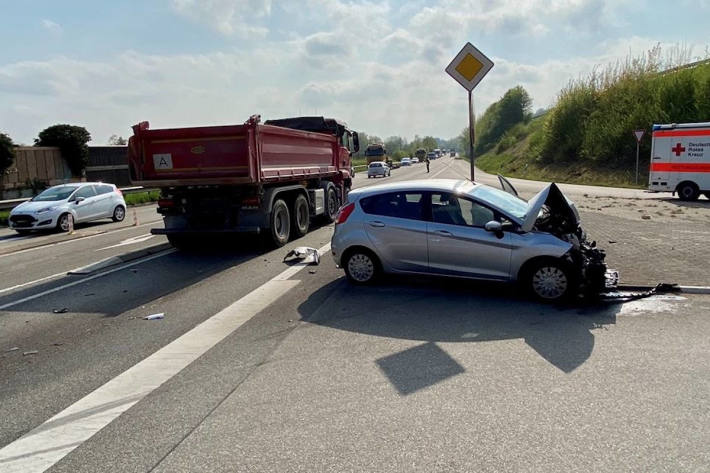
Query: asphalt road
[{"x": 254, "y": 369}]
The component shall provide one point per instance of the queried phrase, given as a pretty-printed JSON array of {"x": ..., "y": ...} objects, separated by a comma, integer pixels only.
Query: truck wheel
[
  {"x": 331, "y": 204},
  {"x": 688, "y": 191},
  {"x": 280, "y": 223},
  {"x": 301, "y": 216}
]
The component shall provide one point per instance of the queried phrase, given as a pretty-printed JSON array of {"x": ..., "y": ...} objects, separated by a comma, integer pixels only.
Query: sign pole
[
  {"x": 471, "y": 131},
  {"x": 637, "y": 162}
]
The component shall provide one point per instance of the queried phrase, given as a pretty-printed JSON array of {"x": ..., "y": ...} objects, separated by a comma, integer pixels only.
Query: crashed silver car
[{"x": 459, "y": 228}]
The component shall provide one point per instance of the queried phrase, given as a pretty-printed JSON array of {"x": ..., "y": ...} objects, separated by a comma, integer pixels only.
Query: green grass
[
  {"x": 4, "y": 215},
  {"x": 137, "y": 198}
]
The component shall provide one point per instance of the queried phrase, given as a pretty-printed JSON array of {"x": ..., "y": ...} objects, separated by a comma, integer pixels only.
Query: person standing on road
[{"x": 426, "y": 160}]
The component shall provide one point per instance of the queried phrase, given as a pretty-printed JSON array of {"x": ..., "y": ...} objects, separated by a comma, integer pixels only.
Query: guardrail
[{"x": 12, "y": 203}]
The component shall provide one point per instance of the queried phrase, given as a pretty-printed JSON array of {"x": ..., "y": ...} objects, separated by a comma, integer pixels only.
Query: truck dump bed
[{"x": 228, "y": 155}]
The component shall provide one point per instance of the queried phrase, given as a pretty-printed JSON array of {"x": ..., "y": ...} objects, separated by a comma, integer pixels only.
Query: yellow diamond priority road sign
[{"x": 469, "y": 66}]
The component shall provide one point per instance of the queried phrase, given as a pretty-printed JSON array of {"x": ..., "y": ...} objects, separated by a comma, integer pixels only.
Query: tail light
[
  {"x": 166, "y": 203},
  {"x": 118, "y": 191},
  {"x": 344, "y": 213}
]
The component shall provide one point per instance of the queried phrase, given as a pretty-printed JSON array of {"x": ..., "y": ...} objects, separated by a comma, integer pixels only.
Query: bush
[
  {"x": 72, "y": 141},
  {"x": 501, "y": 116},
  {"x": 7, "y": 153}
]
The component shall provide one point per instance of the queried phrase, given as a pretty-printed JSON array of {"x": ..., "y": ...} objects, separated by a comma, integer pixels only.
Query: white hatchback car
[{"x": 61, "y": 206}]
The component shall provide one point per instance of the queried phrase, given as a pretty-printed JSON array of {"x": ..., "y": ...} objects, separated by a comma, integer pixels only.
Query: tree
[
  {"x": 71, "y": 140},
  {"x": 7, "y": 153},
  {"x": 513, "y": 108},
  {"x": 429, "y": 142},
  {"x": 117, "y": 140}
]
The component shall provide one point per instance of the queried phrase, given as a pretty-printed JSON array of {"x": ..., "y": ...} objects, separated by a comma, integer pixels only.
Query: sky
[{"x": 379, "y": 66}]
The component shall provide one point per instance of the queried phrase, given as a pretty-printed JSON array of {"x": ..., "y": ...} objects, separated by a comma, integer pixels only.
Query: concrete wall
[
  {"x": 108, "y": 164},
  {"x": 44, "y": 164}
]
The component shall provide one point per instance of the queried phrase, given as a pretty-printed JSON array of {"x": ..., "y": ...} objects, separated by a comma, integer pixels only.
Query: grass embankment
[
  {"x": 515, "y": 161},
  {"x": 4, "y": 214}
]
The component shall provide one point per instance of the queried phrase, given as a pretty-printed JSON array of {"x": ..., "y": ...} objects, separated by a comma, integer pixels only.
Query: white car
[
  {"x": 61, "y": 206},
  {"x": 378, "y": 168},
  {"x": 406, "y": 162},
  {"x": 415, "y": 160}
]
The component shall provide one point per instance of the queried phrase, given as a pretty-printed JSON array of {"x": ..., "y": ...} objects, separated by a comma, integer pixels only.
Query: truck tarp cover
[{"x": 314, "y": 124}]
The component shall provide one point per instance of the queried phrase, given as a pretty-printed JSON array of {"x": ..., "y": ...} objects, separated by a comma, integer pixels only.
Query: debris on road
[
  {"x": 154, "y": 316},
  {"x": 31, "y": 352},
  {"x": 646, "y": 217},
  {"x": 63, "y": 310},
  {"x": 303, "y": 254},
  {"x": 12, "y": 349},
  {"x": 312, "y": 271}
]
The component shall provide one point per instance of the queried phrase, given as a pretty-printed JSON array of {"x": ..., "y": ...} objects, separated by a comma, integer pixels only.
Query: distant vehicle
[
  {"x": 59, "y": 207},
  {"x": 415, "y": 160},
  {"x": 406, "y": 161},
  {"x": 680, "y": 160},
  {"x": 452, "y": 153},
  {"x": 269, "y": 178},
  {"x": 437, "y": 152},
  {"x": 458, "y": 228},
  {"x": 420, "y": 153},
  {"x": 376, "y": 152},
  {"x": 378, "y": 168},
  {"x": 431, "y": 155},
  {"x": 394, "y": 164}
]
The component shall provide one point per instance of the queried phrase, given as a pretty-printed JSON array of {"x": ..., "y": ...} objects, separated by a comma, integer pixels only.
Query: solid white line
[
  {"x": 41, "y": 448},
  {"x": 53, "y": 276},
  {"x": 83, "y": 280},
  {"x": 83, "y": 238}
]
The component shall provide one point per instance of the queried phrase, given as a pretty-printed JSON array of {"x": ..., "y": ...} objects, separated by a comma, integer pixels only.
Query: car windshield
[
  {"x": 54, "y": 194},
  {"x": 508, "y": 203}
]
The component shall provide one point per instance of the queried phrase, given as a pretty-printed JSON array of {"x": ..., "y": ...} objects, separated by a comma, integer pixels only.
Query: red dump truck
[{"x": 269, "y": 178}]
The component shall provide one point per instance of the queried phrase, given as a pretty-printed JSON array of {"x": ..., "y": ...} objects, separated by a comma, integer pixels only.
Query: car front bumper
[{"x": 32, "y": 220}]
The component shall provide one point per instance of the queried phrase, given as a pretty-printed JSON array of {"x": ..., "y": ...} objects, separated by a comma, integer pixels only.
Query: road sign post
[
  {"x": 468, "y": 68},
  {"x": 638, "y": 134}
]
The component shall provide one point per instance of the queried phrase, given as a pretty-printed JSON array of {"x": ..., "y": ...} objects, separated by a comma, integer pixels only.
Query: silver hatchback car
[
  {"x": 460, "y": 228},
  {"x": 378, "y": 168},
  {"x": 59, "y": 207}
]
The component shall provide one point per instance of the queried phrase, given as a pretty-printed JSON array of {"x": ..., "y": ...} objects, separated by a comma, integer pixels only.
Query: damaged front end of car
[{"x": 551, "y": 212}]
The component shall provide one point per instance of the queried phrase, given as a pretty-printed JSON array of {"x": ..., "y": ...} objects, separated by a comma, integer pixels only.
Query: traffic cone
[
  {"x": 71, "y": 224},
  {"x": 135, "y": 218}
]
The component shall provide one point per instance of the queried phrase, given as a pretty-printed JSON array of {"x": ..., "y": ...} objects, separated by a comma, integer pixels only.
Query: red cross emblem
[{"x": 678, "y": 149}]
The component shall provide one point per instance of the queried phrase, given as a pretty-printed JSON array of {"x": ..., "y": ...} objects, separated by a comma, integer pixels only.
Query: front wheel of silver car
[
  {"x": 361, "y": 267},
  {"x": 65, "y": 222},
  {"x": 549, "y": 281}
]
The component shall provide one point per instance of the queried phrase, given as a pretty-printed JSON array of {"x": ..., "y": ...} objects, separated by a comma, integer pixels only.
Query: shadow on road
[{"x": 435, "y": 311}]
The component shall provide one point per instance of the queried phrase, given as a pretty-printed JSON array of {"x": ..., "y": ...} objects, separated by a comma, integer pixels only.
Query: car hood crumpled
[{"x": 555, "y": 200}]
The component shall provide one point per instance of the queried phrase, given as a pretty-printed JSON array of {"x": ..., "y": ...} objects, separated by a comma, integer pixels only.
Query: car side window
[
  {"x": 395, "y": 204},
  {"x": 104, "y": 189},
  {"x": 85, "y": 192},
  {"x": 450, "y": 209}
]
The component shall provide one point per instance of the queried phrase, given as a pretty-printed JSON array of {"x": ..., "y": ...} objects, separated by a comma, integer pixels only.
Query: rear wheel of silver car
[
  {"x": 361, "y": 267},
  {"x": 549, "y": 281},
  {"x": 301, "y": 216},
  {"x": 119, "y": 213},
  {"x": 65, "y": 222},
  {"x": 280, "y": 223}
]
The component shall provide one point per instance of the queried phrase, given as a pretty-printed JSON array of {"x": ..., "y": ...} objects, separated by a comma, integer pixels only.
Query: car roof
[{"x": 445, "y": 185}]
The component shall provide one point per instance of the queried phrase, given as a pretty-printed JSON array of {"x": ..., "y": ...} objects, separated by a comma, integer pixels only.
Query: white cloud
[
  {"x": 229, "y": 17},
  {"x": 52, "y": 27}
]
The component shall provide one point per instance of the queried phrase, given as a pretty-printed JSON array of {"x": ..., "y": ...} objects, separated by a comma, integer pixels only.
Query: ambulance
[{"x": 680, "y": 160}]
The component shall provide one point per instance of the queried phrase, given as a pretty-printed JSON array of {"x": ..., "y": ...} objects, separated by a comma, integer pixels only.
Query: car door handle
[
  {"x": 442, "y": 232},
  {"x": 377, "y": 224}
]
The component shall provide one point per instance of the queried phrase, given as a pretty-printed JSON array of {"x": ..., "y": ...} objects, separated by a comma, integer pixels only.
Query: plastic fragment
[
  {"x": 154, "y": 316},
  {"x": 12, "y": 349},
  {"x": 31, "y": 352},
  {"x": 303, "y": 254},
  {"x": 63, "y": 310}
]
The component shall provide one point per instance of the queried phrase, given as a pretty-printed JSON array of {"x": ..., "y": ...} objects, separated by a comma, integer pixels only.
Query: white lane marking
[
  {"x": 83, "y": 280},
  {"x": 30, "y": 283},
  {"x": 44, "y": 446},
  {"x": 103, "y": 233},
  {"x": 129, "y": 241}
]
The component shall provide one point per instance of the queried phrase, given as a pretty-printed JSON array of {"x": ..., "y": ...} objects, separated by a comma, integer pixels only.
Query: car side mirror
[
  {"x": 77, "y": 200},
  {"x": 495, "y": 227},
  {"x": 356, "y": 142}
]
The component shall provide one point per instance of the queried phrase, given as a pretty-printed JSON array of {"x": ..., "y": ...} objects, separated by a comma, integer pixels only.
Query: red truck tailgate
[{"x": 219, "y": 153}]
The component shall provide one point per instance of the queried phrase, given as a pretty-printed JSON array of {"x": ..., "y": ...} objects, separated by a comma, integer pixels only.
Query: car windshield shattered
[
  {"x": 54, "y": 194},
  {"x": 508, "y": 203}
]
